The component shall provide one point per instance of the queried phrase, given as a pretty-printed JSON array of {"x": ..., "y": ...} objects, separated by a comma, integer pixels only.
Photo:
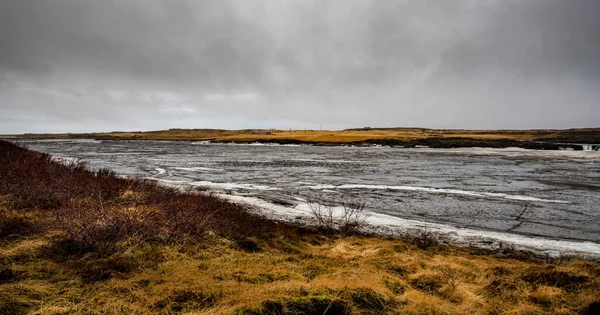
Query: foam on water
[{"x": 590, "y": 148}]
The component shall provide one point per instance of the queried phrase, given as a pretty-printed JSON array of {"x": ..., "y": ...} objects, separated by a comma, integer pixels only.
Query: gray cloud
[{"x": 85, "y": 65}]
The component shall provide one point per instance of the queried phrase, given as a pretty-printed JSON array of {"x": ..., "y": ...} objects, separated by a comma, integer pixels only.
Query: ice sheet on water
[
  {"x": 66, "y": 160},
  {"x": 435, "y": 190},
  {"x": 199, "y": 169},
  {"x": 230, "y": 186},
  {"x": 326, "y": 160}
]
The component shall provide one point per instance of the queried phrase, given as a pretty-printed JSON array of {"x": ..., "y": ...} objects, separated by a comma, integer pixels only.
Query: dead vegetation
[
  {"x": 99, "y": 211},
  {"x": 344, "y": 215},
  {"x": 80, "y": 242}
]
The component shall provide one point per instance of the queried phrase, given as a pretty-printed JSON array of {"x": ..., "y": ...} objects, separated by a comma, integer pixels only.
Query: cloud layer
[{"x": 77, "y": 65}]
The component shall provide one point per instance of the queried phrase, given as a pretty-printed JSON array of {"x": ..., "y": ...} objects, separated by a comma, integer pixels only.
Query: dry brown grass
[{"x": 357, "y": 274}]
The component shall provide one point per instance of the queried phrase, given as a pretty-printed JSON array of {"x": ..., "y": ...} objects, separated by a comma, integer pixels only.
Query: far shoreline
[{"x": 542, "y": 139}]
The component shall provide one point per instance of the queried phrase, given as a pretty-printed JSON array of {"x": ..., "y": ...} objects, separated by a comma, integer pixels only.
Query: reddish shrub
[{"x": 97, "y": 209}]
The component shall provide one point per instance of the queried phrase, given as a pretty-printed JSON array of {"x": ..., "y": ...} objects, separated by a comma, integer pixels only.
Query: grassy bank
[{"x": 74, "y": 241}]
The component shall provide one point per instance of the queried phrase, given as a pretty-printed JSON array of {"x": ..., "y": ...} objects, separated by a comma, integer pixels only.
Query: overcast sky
[{"x": 77, "y": 65}]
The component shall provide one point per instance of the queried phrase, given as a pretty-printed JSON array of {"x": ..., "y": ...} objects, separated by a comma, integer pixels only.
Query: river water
[{"x": 545, "y": 194}]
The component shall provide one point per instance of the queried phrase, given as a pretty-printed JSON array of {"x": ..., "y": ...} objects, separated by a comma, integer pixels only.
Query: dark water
[{"x": 544, "y": 193}]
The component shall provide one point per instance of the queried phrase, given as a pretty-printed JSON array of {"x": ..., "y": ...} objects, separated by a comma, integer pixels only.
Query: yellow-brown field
[{"x": 356, "y": 274}]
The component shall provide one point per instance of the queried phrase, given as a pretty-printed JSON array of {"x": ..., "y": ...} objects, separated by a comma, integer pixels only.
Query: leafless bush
[
  {"x": 344, "y": 214},
  {"x": 450, "y": 277},
  {"x": 423, "y": 238},
  {"x": 99, "y": 225}
]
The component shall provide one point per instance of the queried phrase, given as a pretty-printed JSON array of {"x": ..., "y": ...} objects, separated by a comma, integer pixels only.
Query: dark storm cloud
[
  {"x": 100, "y": 65},
  {"x": 144, "y": 39}
]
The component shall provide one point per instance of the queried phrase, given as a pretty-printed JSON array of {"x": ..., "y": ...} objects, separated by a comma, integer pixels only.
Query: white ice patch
[
  {"x": 387, "y": 225},
  {"x": 160, "y": 171},
  {"x": 326, "y": 161},
  {"x": 230, "y": 186},
  {"x": 66, "y": 160},
  {"x": 199, "y": 169},
  {"x": 435, "y": 191}
]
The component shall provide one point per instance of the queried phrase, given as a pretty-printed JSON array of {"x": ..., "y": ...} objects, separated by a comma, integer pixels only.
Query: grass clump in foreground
[{"x": 74, "y": 241}]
